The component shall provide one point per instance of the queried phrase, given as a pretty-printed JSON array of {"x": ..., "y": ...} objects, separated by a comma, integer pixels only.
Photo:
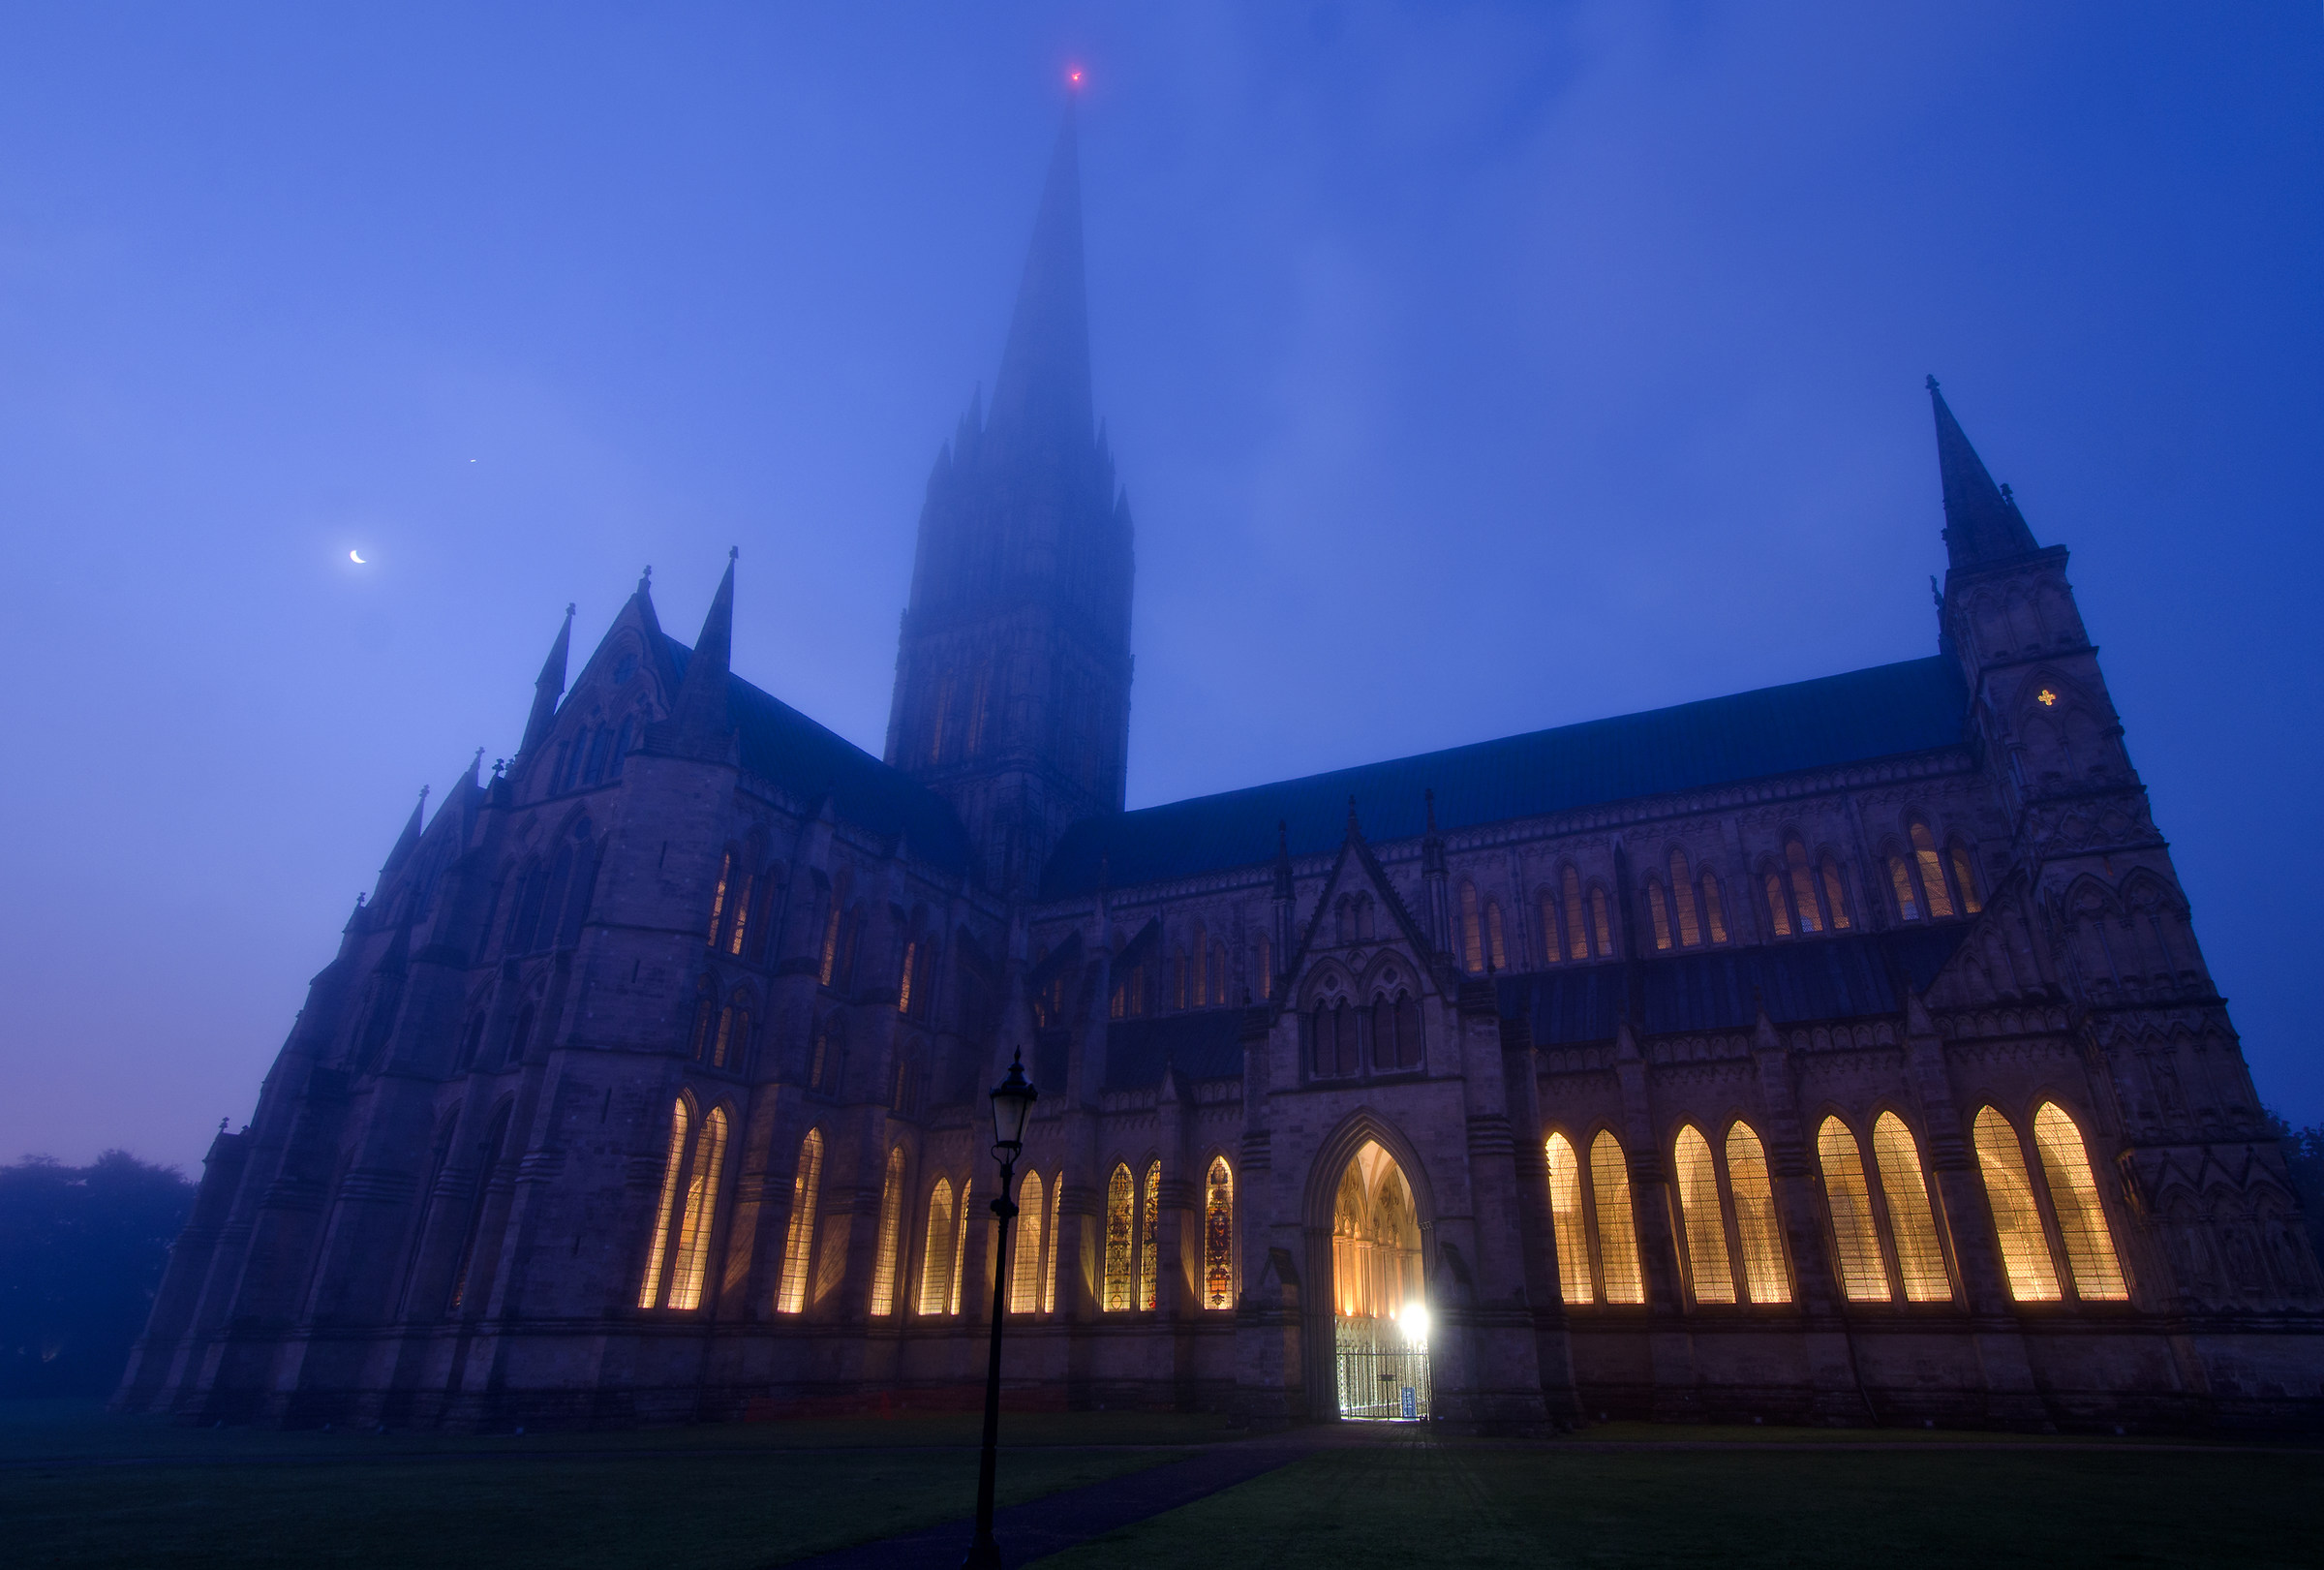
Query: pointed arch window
[
  {"x": 1856, "y": 1238},
  {"x": 1936, "y": 897},
  {"x": 891, "y": 1227},
  {"x": 706, "y": 1013},
  {"x": 904, "y": 978},
  {"x": 1713, "y": 1278},
  {"x": 2016, "y": 1220},
  {"x": 1496, "y": 943},
  {"x": 740, "y": 931},
  {"x": 1756, "y": 1229},
  {"x": 1121, "y": 1218},
  {"x": 1024, "y": 1261},
  {"x": 1965, "y": 879},
  {"x": 1334, "y": 1028},
  {"x": 960, "y": 1245},
  {"x": 1779, "y": 909},
  {"x": 1048, "y": 1278},
  {"x": 1150, "y": 1252},
  {"x": 733, "y": 1038},
  {"x": 1617, "y": 1225},
  {"x": 1912, "y": 1218},
  {"x": 2081, "y": 1216},
  {"x": 1218, "y": 1235},
  {"x": 1900, "y": 883},
  {"x": 827, "y": 967},
  {"x": 1396, "y": 1031},
  {"x": 1472, "y": 930},
  {"x": 937, "y": 1259},
  {"x": 1660, "y": 910},
  {"x": 690, "y": 1198},
  {"x": 1682, "y": 896},
  {"x": 1807, "y": 915},
  {"x": 1602, "y": 925},
  {"x": 717, "y": 899},
  {"x": 1567, "y": 1223},
  {"x": 1553, "y": 948},
  {"x": 1835, "y": 893},
  {"x": 799, "y": 1238},
  {"x": 1714, "y": 913},
  {"x": 827, "y": 1054},
  {"x": 1577, "y": 940}
]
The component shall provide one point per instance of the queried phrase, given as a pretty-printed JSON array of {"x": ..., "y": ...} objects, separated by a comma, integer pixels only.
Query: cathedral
[{"x": 1836, "y": 1053}]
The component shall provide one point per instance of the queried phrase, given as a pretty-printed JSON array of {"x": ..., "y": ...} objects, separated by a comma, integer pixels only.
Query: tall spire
[
  {"x": 1041, "y": 400},
  {"x": 548, "y": 687},
  {"x": 1982, "y": 520},
  {"x": 408, "y": 839},
  {"x": 699, "y": 714}
]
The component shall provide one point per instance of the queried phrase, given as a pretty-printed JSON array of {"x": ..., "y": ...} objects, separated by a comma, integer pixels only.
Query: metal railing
[{"x": 1380, "y": 1376}]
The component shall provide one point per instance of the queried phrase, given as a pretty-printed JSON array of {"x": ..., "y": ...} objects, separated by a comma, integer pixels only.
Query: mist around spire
[
  {"x": 1981, "y": 522},
  {"x": 1041, "y": 402}
]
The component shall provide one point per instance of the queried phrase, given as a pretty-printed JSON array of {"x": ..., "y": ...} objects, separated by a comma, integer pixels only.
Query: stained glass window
[
  {"x": 2016, "y": 1222},
  {"x": 1120, "y": 1222},
  {"x": 1024, "y": 1262},
  {"x": 1778, "y": 915},
  {"x": 1855, "y": 1240},
  {"x": 960, "y": 1248},
  {"x": 1912, "y": 1220},
  {"x": 1617, "y": 1226},
  {"x": 1048, "y": 1281},
  {"x": 1682, "y": 895},
  {"x": 2081, "y": 1216},
  {"x": 1218, "y": 1236},
  {"x": 1764, "y": 1279},
  {"x": 1932, "y": 871},
  {"x": 891, "y": 1226},
  {"x": 692, "y": 1263},
  {"x": 1901, "y": 880},
  {"x": 1568, "y": 1222},
  {"x": 1803, "y": 887},
  {"x": 936, "y": 1260},
  {"x": 1714, "y": 914},
  {"x": 798, "y": 1242},
  {"x": 1578, "y": 942},
  {"x": 1965, "y": 879},
  {"x": 649, "y": 1292},
  {"x": 1707, "y": 1226},
  {"x": 1150, "y": 1252},
  {"x": 1835, "y": 895}
]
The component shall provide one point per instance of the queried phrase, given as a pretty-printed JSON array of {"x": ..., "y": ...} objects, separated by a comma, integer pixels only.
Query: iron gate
[{"x": 1381, "y": 1374}]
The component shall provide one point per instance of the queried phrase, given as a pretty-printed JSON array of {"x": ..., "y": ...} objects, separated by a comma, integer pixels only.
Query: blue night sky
[{"x": 1471, "y": 369}]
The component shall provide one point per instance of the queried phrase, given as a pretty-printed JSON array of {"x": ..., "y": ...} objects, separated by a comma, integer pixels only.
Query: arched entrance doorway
[{"x": 1379, "y": 1306}]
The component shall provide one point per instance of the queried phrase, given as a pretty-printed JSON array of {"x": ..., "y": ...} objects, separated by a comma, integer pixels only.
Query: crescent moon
[{"x": 356, "y": 557}]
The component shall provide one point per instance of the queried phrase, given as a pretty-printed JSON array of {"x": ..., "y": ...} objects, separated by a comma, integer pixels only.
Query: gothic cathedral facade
[{"x": 1838, "y": 1052}]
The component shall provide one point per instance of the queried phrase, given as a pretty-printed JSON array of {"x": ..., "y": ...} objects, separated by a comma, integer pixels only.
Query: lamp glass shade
[{"x": 1012, "y": 1101}]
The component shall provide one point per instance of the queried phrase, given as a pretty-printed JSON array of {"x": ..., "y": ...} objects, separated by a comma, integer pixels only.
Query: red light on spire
[{"x": 1074, "y": 77}]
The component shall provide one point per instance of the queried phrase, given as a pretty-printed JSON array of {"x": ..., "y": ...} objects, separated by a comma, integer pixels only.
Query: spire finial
[
  {"x": 645, "y": 581},
  {"x": 1932, "y": 382},
  {"x": 570, "y": 606},
  {"x": 733, "y": 551}
]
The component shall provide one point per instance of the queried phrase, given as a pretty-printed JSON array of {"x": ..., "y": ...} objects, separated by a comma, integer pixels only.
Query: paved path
[{"x": 1057, "y": 1521}]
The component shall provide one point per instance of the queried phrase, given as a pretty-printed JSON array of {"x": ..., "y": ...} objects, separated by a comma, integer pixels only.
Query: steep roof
[
  {"x": 1911, "y": 706},
  {"x": 782, "y": 745}
]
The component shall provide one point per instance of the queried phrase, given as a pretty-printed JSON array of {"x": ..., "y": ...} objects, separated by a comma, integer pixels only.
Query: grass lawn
[
  {"x": 79, "y": 1489},
  {"x": 1473, "y": 1504}
]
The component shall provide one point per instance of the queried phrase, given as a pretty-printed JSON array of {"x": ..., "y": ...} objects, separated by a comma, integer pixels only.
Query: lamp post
[{"x": 1012, "y": 1101}]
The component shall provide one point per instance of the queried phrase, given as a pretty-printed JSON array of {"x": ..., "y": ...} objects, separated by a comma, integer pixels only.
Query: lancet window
[
  {"x": 2016, "y": 1219},
  {"x": 937, "y": 1257},
  {"x": 799, "y": 1238},
  {"x": 1578, "y": 931},
  {"x": 891, "y": 1227},
  {"x": 959, "y": 1246},
  {"x": 1218, "y": 1236},
  {"x": 706, "y": 1015},
  {"x": 1396, "y": 1031},
  {"x": 686, "y": 1212},
  {"x": 1863, "y": 1268},
  {"x": 1912, "y": 1218},
  {"x": 1332, "y": 1025},
  {"x": 1756, "y": 1229},
  {"x": 1121, "y": 1220},
  {"x": 733, "y": 1038},
  {"x": 1024, "y": 1261},
  {"x": 1149, "y": 1251},
  {"x": 1048, "y": 1276},
  {"x": 1855, "y": 1236},
  {"x": 1713, "y": 1278},
  {"x": 827, "y": 1054},
  {"x": 2098, "y": 1273},
  {"x": 1569, "y": 1223},
  {"x": 1617, "y": 1224}
]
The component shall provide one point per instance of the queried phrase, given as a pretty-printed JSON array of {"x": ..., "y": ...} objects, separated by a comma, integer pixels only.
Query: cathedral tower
[{"x": 1013, "y": 669}]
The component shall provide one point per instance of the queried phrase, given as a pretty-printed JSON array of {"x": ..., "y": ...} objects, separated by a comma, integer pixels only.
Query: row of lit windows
[{"x": 1884, "y": 1221}]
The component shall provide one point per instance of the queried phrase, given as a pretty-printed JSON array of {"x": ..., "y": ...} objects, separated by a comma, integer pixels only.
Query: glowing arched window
[
  {"x": 1764, "y": 1279},
  {"x": 1835, "y": 894},
  {"x": 799, "y": 1239},
  {"x": 1912, "y": 1221},
  {"x": 1218, "y": 1236},
  {"x": 1602, "y": 926},
  {"x": 733, "y": 1037},
  {"x": 649, "y": 1293},
  {"x": 1707, "y": 1226},
  {"x": 1577, "y": 938},
  {"x": 717, "y": 899},
  {"x": 692, "y": 1261},
  {"x": 904, "y": 978},
  {"x": 1150, "y": 1252},
  {"x": 960, "y": 1248},
  {"x": 1899, "y": 880},
  {"x": 1932, "y": 869},
  {"x": 1779, "y": 915},
  {"x": 1660, "y": 912},
  {"x": 1567, "y": 1223},
  {"x": 2016, "y": 1222},
  {"x": 1472, "y": 930},
  {"x": 2074, "y": 1193},
  {"x": 1024, "y": 1262},
  {"x": 1714, "y": 914},
  {"x": 1682, "y": 895},
  {"x": 891, "y": 1227},
  {"x": 1855, "y": 1240},
  {"x": 1965, "y": 879},
  {"x": 1803, "y": 887},
  {"x": 1049, "y": 1281},
  {"x": 936, "y": 1260},
  {"x": 742, "y": 915},
  {"x": 1120, "y": 1223},
  {"x": 1617, "y": 1228}
]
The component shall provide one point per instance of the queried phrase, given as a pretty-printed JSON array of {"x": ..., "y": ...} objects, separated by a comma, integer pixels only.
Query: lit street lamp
[{"x": 1012, "y": 1101}]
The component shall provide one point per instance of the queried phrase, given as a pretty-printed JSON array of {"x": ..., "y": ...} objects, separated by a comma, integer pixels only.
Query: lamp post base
[{"x": 982, "y": 1555}]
